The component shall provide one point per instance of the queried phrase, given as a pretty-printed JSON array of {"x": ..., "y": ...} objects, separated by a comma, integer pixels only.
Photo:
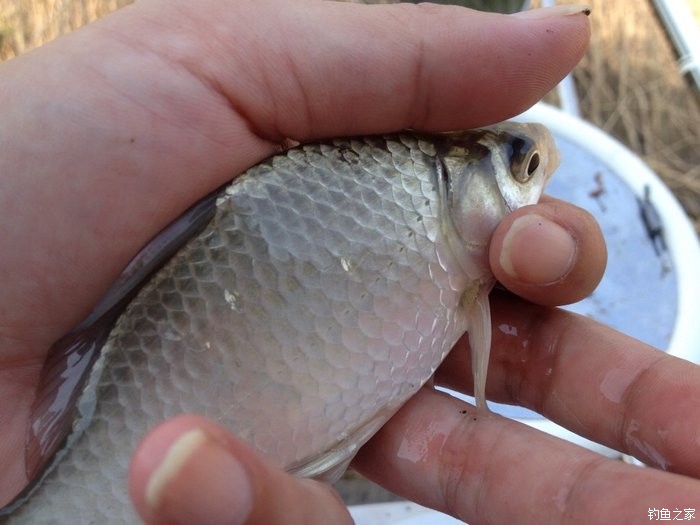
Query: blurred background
[{"x": 630, "y": 84}]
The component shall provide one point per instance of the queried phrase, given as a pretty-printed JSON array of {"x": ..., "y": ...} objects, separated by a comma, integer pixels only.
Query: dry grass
[
  {"x": 630, "y": 85},
  {"x": 25, "y": 24},
  {"x": 628, "y": 82}
]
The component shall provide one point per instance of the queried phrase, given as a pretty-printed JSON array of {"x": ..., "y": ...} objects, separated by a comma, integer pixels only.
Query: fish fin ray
[
  {"x": 153, "y": 255},
  {"x": 54, "y": 416},
  {"x": 331, "y": 464},
  {"x": 479, "y": 316}
]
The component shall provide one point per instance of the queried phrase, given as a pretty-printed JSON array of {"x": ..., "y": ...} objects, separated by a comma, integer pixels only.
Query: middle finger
[{"x": 590, "y": 379}]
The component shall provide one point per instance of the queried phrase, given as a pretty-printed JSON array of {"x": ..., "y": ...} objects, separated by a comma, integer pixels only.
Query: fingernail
[
  {"x": 557, "y": 10},
  {"x": 199, "y": 481},
  {"x": 537, "y": 251}
]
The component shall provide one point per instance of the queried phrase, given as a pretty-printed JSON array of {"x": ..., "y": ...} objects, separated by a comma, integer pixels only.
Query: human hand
[
  {"x": 111, "y": 132},
  {"x": 605, "y": 386}
]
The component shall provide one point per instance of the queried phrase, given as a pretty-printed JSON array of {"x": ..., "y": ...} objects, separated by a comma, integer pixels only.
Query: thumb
[
  {"x": 308, "y": 69},
  {"x": 336, "y": 68},
  {"x": 190, "y": 470}
]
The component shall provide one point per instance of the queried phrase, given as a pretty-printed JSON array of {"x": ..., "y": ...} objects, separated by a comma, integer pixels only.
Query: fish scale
[{"x": 324, "y": 291}]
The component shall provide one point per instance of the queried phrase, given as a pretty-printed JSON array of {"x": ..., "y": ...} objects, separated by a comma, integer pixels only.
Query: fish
[{"x": 300, "y": 306}]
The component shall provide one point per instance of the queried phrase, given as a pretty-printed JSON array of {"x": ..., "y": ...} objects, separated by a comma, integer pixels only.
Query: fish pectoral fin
[{"x": 479, "y": 319}]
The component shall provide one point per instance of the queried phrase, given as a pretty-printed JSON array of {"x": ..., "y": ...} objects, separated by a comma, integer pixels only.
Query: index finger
[
  {"x": 593, "y": 380},
  {"x": 483, "y": 468}
]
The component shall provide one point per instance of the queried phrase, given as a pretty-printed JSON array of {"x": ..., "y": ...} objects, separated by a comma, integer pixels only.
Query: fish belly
[{"x": 317, "y": 300}]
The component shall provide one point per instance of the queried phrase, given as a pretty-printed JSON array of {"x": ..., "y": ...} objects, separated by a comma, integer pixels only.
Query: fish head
[{"x": 492, "y": 171}]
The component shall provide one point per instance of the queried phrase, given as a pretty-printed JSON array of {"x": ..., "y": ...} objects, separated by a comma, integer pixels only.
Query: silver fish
[{"x": 311, "y": 298}]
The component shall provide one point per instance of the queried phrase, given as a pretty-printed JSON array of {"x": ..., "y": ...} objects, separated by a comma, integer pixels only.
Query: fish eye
[
  {"x": 524, "y": 159},
  {"x": 533, "y": 164}
]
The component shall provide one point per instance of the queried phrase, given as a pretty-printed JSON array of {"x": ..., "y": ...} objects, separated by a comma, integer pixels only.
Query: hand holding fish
[{"x": 110, "y": 133}]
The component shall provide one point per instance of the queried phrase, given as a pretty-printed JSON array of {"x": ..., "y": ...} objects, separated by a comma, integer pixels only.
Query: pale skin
[{"x": 109, "y": 133}]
